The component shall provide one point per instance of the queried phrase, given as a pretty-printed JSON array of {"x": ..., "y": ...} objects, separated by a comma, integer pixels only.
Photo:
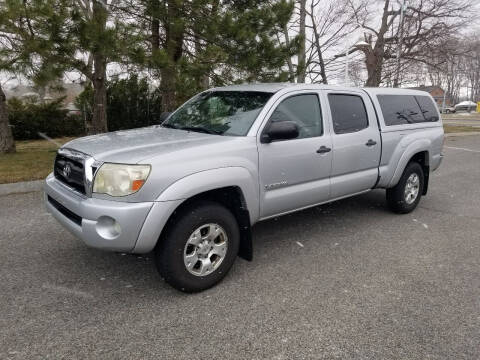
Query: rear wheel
[
  {"x": 199, "y": 247},
  {"x": 405, "y": 196}
]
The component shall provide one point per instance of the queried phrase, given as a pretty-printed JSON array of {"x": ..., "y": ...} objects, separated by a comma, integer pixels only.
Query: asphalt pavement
[{"x": 348, "y": 280}]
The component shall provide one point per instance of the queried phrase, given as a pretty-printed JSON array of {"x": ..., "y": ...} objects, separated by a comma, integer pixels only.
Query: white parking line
[{"x": 464, "y": 149}]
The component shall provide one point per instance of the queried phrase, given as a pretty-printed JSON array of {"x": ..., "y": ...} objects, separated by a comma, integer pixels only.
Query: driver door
[{"x": 295, "y": 173}]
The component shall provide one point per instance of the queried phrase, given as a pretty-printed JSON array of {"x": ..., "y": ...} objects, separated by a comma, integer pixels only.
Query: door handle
[
  {"x": 323, "y": 150},
  {"x": 371, "y": 142}
]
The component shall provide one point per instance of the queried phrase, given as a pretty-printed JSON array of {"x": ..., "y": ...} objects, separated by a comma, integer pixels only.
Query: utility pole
[
  {"x": 443, "y": 103},
  {"x": 347, "y": 80},
  {"x": 399, "y": 45}
]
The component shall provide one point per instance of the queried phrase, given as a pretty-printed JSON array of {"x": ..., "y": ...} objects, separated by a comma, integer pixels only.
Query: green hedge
[
  {"x": 28, "y": 119},
  {"x": 130, "y": 103}
]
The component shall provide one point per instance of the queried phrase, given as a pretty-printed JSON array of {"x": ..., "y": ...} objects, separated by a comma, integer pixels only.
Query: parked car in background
[
  {"x": 191, "y": 188},
  {"x": 448, "y": 110},
  {"x": 466, "y": 106}
]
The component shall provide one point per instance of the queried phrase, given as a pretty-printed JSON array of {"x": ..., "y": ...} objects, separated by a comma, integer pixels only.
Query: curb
[
  {"x": 21, "y": 187},
  {"x": 470, "y": 133}
]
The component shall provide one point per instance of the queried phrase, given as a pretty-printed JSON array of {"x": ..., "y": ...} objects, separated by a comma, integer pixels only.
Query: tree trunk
[
  {"x": 374, "y": 57},
  {"x": 301, "y": 48},
  {"x": 374, "y": 64},
  {"x": 99, "y": 117},
  {"x": 167, "y": 88},
  {"x": 7, "y": 144},
  {"x": 155, "y": 34},
  {"x": 321, "y": 62},
  {"x": 174, "y": 34},
  {"x": 291, "y": 71}
]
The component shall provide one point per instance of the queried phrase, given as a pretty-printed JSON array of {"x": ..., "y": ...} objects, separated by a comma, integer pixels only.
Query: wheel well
[
  {"x": 232, "y": 198},
  {"x": 423, "y": 159}
]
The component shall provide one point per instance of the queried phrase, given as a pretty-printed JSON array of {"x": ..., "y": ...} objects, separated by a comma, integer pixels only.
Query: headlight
[{"x": 120, "y": 179}]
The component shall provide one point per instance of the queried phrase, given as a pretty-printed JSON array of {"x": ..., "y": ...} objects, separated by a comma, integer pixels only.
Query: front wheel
[
  {"x": 199, "y": 247},
  {"x": 405, "y": 196}
]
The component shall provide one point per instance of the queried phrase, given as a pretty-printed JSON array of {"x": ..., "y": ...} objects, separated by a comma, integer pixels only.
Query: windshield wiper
[
  {"x": 201, "y": 129},
  {"x": 170, "y": 126}
]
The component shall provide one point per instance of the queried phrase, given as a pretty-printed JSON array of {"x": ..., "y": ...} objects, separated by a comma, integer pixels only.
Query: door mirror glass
[{"x": 280, "y": 130}]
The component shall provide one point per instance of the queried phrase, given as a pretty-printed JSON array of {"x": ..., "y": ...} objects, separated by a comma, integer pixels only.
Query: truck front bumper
[{"x": 104, "y": 224}]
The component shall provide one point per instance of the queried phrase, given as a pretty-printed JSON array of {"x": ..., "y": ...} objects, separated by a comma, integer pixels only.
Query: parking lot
[{"x": 344, "y": 280}]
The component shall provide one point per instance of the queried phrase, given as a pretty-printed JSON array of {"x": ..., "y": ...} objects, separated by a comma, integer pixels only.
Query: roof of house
[{"x": 68, "y": 90}]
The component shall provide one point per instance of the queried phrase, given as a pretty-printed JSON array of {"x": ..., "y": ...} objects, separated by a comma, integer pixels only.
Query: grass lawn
[
  {"x": 32, "y": 161},
  {"x": 458, "y": 129}
]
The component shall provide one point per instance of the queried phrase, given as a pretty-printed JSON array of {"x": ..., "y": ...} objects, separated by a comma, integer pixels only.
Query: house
[
  {"x": 437, "y": 93},
  {"x": 69, "y": 91}
]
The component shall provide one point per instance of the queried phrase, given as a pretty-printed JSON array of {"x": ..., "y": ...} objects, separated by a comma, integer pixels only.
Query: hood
[{"x": 133, "y": 146}]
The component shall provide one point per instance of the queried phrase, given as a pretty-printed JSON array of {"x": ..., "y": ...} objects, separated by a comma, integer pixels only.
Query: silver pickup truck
[{"x": 191, "y": 188}]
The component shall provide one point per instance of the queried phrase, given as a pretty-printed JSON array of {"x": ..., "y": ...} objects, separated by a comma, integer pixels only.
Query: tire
[
  {"x": 201, "y": 230},
  {"x": 397, "y": 198}
]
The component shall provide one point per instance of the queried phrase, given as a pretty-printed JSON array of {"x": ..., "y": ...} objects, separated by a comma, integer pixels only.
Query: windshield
[{"x": 219, "y": 112}]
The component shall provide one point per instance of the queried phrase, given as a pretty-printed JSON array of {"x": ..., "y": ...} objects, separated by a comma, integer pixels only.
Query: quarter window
[
  {"x": 348, "y": 113},
  {"x": 303, "y": 110},
  {"x": 428, "y": 108},
  {"x": 407, "y": 109}
]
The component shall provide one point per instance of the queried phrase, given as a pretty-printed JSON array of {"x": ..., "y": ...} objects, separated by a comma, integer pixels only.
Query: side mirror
[
  {"x": 164, "y": 116},
  {"x": 281, "y": 130}
]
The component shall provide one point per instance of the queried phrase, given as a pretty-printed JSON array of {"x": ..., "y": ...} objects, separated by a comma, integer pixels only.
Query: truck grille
[{"x": 70, "y": 172}]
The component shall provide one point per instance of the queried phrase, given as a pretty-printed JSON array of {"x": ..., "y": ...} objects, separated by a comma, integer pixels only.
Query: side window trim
[
  {"x": 289, "y": 96},
  {"x": 347, "y": 93}
]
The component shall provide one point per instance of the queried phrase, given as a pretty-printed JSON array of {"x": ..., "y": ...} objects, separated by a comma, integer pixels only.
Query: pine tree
[
  {"x": 195, "y": 44},
  {"x": 96, "y": 38},
  {"x": 26, "y": 49}
]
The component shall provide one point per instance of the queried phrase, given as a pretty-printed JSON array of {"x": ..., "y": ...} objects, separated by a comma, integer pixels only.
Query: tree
[
  {"x": 131, "y": 103},
  {"x": 330, "y": 24},
  {"x": 26, "y": 30},
  {"x": 302, "y": 47},
  {"x": 191, "y": 45},
  {"x": 472, "y": 68},
  {"x": 320, "y": 26},
  {"x": 426, "y": 24},
  {"x": 449, "y": 72},
  {"x": 96, "y": 38}
]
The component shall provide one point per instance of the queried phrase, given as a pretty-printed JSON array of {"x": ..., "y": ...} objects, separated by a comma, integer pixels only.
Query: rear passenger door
[{"x": 356, "y": 143}]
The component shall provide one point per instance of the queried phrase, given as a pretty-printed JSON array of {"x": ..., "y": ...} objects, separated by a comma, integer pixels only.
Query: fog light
[{"x": 108, "y": 228}]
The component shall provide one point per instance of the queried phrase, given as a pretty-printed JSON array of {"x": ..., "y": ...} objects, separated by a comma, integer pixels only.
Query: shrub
[
  {"x": 28, "y": 119},
  {"x": 130, "y": 103}
]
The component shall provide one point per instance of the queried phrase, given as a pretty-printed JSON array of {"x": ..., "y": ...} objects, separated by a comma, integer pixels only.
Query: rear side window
[
  {"x": 348, "y": 113},
  {"x": 428, "y": 108},
  {"x": 407, "y": 109}
]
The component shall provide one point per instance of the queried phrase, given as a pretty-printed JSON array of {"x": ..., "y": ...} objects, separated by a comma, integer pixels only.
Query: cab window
[{"x": 303, "y": 110}]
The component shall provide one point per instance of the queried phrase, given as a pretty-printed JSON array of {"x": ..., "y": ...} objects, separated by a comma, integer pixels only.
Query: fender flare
[
  {"x": 212, "y": 179},
  {"x": 194, "y": 184},
  {"x": 420, "y": 145}
]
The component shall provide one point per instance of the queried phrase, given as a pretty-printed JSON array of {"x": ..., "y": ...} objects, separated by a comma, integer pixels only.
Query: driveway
[{"x": 348, "y": 280}]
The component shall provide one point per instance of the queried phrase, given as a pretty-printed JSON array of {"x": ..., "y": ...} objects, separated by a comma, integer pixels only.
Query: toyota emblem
[{"x": 67, "y": 170}]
